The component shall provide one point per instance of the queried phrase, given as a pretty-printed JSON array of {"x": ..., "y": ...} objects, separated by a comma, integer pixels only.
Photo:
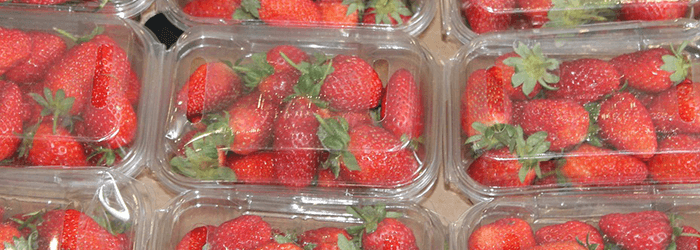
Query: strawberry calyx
[
  {"x": 107, "y": 156},
  {"x": 386, "y": 10},
  {"x": 593, "y": 109},
  {"x": 371, "y": 216},
  {"x": 677, "y": 64},
  {"x": 28, "y": 139},
  {"x": 354, "y": 5},
  {"x": 312, "y": 77},
  {"x": 21, "y": 243},
  {"x": 572, "y": 13},
  {"x": 411, "y": 143},
  {"x": 255, "y": 71},
  {"x": 58, "y": 105},
  {"x": 81, "y": 39},
  {"x": 113, "y": 225},
  {"x": 531, "y": 68},
  {"x": 677, "y": 231},
  {"x": 333, "y": 134},
  {"x": 492, "y": 137},
  {"x": 248, "y": 10},
  {"x": 345, "y": 244},
  {"x": 587, "y": 244}
]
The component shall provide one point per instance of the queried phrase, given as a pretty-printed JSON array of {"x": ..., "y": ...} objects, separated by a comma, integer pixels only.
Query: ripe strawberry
[
  {"x": 381, "y": 229},
  {"x": 15, "y": 48},
  {"x": 325, "y": 238},
  {"x": 570, "y": 231},
  {"x": 385, "y": 12},
  {"x": 296, "y": 143},
  {"x": 559, "y": 246},
  {"x": 485, "y": 101},
  {"x": 677, "y": 110},
  {"x": 279, "y": 246},
  {"x": 402, "y": 106},
  {"x": 340, "y": 13},
  {"x": 211, "y": 87},
  {"x": 590, "y": 165},
  {"x": 288, "y": 13},
  {"x": 295, "y": 54},
  {"x": 246, "y": 232},
  {"x": 653, "y": 10},
  {"x": 256, "y": 167},
  {"x": 648, "y": 230},
  {"x": 487, "y": 15},
  {"x": 46, "y": 49},
  {"x": 279, "y": 85},
  {"x": 626, "y": 124},
  {"x": 507, "y": 233},
  {"x": 133, "y": 88},
  {"x": 55, "y": 149},
  {"x": 354, "y": 119},
  {"x": 7, "y": 233},
  {"x": 653, "y": 70},
  {"x": 678, "y": 160},
  {"x": 43, "y": 2},
  {"x": 565, "y": 121},
  {"x": 72, "y": 229},
  {"x": 222, "y": 9},
  {"x": 251, "y": 120},
  {"x": 688, "y": 242},
  {"x": 11, "y": 113},
  {"x": 586, "y": 80},
  {"x": 326, "y": 177},
  {"x": 196, "y": 238},
  {"x": 499, "y": 168},
  {"x": 352, "y": 86},
  {"x": 536, "y": 11}
]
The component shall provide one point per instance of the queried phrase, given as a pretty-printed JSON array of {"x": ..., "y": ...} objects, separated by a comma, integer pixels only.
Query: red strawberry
[
  {"x": 211, "y": 87},
  {"x": 279, "y": 246},
  {"x": 354, "y": 119},
  {"x": 390, "y": 234},
  {"x": 251, "y": 120},
  {"x": 223, "y": 9},
  {"x": 586, "y": 80},
  {"x": 325, "y": 238},
  {"x": 338, "y": 13},
  {"x": 653, "y": 10},
  {"x": 246, "y": 232},
  {"x": 485, "y": 101},
  {"x": 43, "y": 2},
  {"x": 326, "y": 178},
  {"x": 487, "y": 15},
  {"x": 507, "y": 73},
  {"x": 402, "y": 106},
  {"x": 55, "y": 149},
  {"x": 688, "y": 242},
  {"x": 626, "y": 124},
  {"x": 296, "y": 143},
  {"x": 72, "y": 229},
  {"x": 507, "y": 233},
  {"x": 195, "y": 239},
  {"x": 559, "y": 246},
  {"x": 565, "y": 121},
  {"x": 295, "y": 54},
  {"x": 352, "y": 86},
  {"x": 385, "y": 12},
  {"x": 11, "y": 113},
  {"x": 7, "y": 233},
  {"x": 570, "y": 231},
  {"x": 590, "y": 165},
  {"x": 46, "y": 49},
  {"x": 253, "y": 168},
  {"x": 279, "y": 85},
  {"x": 15, "y": 48},
  {"x": 677, "y": 110},
  {"x": 536, "y": 11},
  {"x": 653, "y": 70},
  {"x": 677, "y": 160},
  {"x": 550, "y": 177},
  {"x": 133, "y": 88},
  {"x": 648, "y": 230},
  {"x": 289, "y": 13},
  {"x": 499, "y": 168}
]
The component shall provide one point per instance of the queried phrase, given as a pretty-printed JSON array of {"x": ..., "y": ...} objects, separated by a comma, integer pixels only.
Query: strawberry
[
  {"x": 296, "y": 143},
  {"x": 678, "y": 160},
  {"x": 565, "y": 121},
  {"x": 200, "y": 153},
  {"x": 43, "y": 2},
  {"x": 506, "y": 233},
  {"x": 11, "y": 113},
  {"x": 590, "y": 165},
  {"x": 567, "y": 14},
  {"x": 340, "y": 13},
  {"x": 484, "y": 101},
  {"x": 586, "y": 80},
  {"x": 386, "y": 12},
  {"x": 507, "y": 73},
  {"x": 279, "y": 63},
  {"x": 402, "y": 106},
  {"x": 222, "y": 9},
  {"x": 354, "y": 119},
  {"x": 196, "y": 238},
  {"x": 559, "y": 246},
  {"x": 7, "y": 233},
  {"x": 46, "y": 49},
  {"x": 381, "y": 229},
  {"x": 246, "y": 232},
  {"x": 55, "y": 146},
  {"x": 626, "y": 124},
  {"x": 256, "y": 167},
  {"x": 573, "y": 232},
  {"x": 15, "y": 48},
  {"x": 536, "y": 11},
  {"x": 647, "y": 230},
  {"x": 325, "y": 238},
  {"x": 690, "y": 242},
  {"x": 526, "y": 71},
  {"x": 279, "y": 246},
  {"x": 133, "y": 88},
  {"x": 251, "y": 120},
  {"x": 279, "y": 85},
  {"x": 326, "y": 177},
  {"x": 284, "y": 13},
  {"x": 500, "y": 168},
  {"x": 211, "y": 87},
  {"x": 353, "y": 85},
  {"x": 653, "y": 10},
  {"x": 487, "y": 15},
  {"x": 653, "y": 70},
  {"x": 677, "y": 110},
  {"x": 72, "y": 229}
]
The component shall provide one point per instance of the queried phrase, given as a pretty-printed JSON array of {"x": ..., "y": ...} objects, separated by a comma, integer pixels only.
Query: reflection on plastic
[{"x": 121, "y": 211}]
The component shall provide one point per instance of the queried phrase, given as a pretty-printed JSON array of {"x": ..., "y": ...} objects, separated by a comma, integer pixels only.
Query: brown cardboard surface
[{"x": 447, "y": 203}]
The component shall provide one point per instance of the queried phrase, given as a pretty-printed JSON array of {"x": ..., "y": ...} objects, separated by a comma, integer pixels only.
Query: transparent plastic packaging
[
  {"x": 107, "y": 197},
  {"x": 512, "y": 15},
  {"x": 194, "y": 208},
  {"x": 99, "y": 122},
  {"x": 415, "y": 16},
  {"x": 601, "y": 112},
  {"x": 386, "y": 51},
  {"x": 120, "y": 8},
  {"x": 548, "y": 210}
]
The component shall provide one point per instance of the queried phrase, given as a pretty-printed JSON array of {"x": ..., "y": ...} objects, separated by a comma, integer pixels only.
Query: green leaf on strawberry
[
  {"x": 204, "y": 153},
  {"x": 592, "y": 138},
  {"x": 255, "y": 71},
  {"x": 312, "y": 77},
  {"x": 677, "y": 64},
  {"x": 57, "y": 104},
  {"x": 345, "y": 244},
  {"x": 81, "y": 39},
  {"x": 531, "y": 68},
  {"x": 354, "y": 5},
  {"x": 371, "y": 216},
  {"x": 21, "y": 243},
  {"x": 333, "y": 134},
  {"x": 248, "y": 10},
  {"x": 572, "y": 13}
]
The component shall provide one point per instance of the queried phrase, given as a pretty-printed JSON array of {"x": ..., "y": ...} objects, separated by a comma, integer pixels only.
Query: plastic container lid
[
  {"x": 120, "y": 8},
  {"x": 116, "y": 125},
  {"x": 388, "y": 52}
]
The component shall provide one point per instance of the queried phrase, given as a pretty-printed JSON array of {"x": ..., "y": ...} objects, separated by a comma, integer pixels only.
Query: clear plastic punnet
[
  {"x": 410, "y": 16},
  {"x": 92, "y": 209},
  {"x": 597, "y": 221},
  {"x": 297, "y": 112},
  {"x": 467, "y": 19},
  {"x": 213, "y": 214},
  {"x": 612, "y": 110},
  {"x": 72, "y": 91},
  {"x": 120, "y": 8}
]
